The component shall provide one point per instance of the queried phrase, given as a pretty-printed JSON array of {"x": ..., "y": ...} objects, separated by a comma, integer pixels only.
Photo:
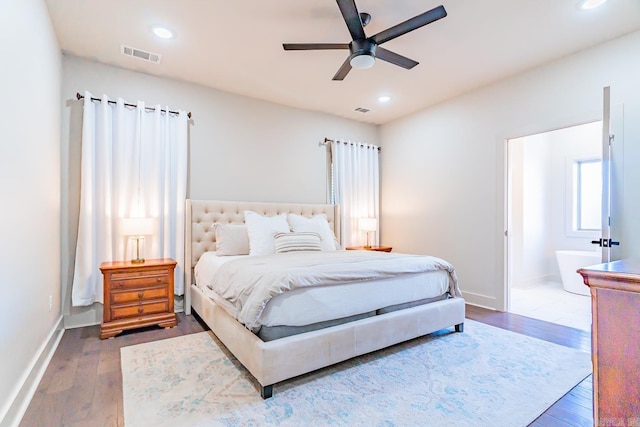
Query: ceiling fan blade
[
  {"x": 344, "y": 69},
  {"x": 314, "y": 46},
  {"x": 352, "y": 18},
  {"x": 410, "y": 25},
  {"x": 394, "y": 58}
]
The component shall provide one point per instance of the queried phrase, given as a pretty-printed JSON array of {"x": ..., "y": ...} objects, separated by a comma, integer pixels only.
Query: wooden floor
[{"x": 83, "y": 386}]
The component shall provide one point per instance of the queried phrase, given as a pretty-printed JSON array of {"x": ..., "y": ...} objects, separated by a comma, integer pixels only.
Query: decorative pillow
[
  {"x": 297, "y": 242},
  {"x": 262, "y": 229},
  {"x": 316, "y": 224},
  {"x": 232, "y": 239}
]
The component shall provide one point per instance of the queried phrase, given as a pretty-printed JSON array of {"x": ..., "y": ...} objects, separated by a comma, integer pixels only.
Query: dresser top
[
  {"x": 623, "y": 274},
  {"x": 113, "y": 265},
  {"x": 623, "y": 266}
]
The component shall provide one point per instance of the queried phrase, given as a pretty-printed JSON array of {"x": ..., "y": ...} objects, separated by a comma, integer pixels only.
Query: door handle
[{"x": 605, "y": 243}]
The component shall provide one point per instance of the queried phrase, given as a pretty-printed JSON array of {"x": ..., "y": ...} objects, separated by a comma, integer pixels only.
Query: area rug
[{"x": 484, "y": 376}]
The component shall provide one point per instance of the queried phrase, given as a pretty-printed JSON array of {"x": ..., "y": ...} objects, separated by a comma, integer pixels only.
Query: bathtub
[{"x": 569, "y": 262}]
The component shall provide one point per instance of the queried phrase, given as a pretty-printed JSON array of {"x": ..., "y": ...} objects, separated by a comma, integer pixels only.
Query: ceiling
[{"x": 236, "y": 46}]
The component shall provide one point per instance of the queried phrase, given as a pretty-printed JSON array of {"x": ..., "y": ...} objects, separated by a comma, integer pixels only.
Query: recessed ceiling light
[
  {"x": 162, "y": 32},
  {"x": 591, "y": 4},
  {"x": 384, "y": 98}
]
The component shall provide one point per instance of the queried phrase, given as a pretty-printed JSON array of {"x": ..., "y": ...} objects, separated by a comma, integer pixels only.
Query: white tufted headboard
[{"x": 201, "y": 215}]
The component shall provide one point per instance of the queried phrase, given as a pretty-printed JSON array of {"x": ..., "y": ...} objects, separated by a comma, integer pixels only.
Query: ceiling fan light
[{"x": 362, "y": 61}]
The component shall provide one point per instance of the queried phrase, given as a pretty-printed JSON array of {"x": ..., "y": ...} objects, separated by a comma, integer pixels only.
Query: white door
[{"x": 612, "y": 180}]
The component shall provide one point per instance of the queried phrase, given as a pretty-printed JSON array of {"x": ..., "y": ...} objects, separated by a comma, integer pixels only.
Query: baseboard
[
  {"x": 178, "y": 303},
  {"x": 533, "y": 282},
  {"x": 32, "y": 378},
  {"x": 480, "y": 300},
  {"x": 79, "y": 317},
  {"x": 554, "y": 278},
  {"x": 481, "y": 306}
]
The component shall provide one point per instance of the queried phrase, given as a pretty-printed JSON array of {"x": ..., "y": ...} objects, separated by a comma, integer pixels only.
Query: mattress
[{"x": 306, "y": 306}]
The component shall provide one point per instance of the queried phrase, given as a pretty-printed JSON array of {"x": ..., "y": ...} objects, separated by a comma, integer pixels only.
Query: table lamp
[
  {"x": 136, "y": 229},
  {"x": 368, "y": 225}
]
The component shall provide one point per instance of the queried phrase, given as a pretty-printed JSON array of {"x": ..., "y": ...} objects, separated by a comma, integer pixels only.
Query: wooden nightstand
[
  {"x": 369, "y": 248},
  {"x": 137, "y": 295}
]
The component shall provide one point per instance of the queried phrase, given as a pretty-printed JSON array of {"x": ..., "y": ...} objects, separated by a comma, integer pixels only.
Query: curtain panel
[
  {"x": 356, "y": 186},
  {"x": 134, "y": 164}
]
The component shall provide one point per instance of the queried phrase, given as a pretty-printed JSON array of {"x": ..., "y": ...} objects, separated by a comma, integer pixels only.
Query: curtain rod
[
  {"x": 130, "y": 105},
  {"x": 327, "y": 140}
]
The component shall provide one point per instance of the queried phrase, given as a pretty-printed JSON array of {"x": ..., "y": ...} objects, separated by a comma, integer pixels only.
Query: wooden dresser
[
  {"x": 137, "y": 295},
  {"x": 615, "y": 336}
]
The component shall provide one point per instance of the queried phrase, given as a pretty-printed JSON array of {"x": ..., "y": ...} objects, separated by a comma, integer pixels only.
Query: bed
[{"x": 286, "y": 352}]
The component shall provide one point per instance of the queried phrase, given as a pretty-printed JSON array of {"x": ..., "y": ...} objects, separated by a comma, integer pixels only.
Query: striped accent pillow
[{"x": 297, "y": 242}]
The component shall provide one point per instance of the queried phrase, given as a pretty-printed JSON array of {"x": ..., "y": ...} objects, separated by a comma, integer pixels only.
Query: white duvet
[{"x": 250, "y": 282}]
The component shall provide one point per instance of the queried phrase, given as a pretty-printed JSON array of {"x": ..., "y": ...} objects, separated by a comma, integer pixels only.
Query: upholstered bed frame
[{"x": 281, "y": 359}]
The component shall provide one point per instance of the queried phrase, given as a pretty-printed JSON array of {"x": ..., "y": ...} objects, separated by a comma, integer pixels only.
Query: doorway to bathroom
[{"x": 554, "y": 214}]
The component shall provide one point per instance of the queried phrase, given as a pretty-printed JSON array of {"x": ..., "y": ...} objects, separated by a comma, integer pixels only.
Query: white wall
[
  {"x": 536, "y": 216},
  {"x": 240, "y": 148},
  {"x": 444, "y": 168},
  {"x": 29, "y": 196}
]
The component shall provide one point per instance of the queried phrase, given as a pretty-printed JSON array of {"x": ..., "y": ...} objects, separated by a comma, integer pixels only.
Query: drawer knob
[
  {"x": 140, "y": 310},
  {"x": 140, "y": 294}
]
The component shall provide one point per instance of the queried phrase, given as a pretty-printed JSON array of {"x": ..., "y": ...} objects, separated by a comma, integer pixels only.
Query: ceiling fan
[{"x": 365, "y": 49}]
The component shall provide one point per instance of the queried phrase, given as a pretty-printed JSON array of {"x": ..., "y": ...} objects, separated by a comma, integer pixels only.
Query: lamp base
[
  {"x": 367, "y": 245},
  {"x": 138, "y": 259}
]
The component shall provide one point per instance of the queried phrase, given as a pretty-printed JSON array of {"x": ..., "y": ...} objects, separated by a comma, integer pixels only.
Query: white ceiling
[{"x": 236, "y": 46}]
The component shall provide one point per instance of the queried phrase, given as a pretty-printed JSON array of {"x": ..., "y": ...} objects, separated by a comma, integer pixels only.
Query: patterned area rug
[{"x": 484, "y": 376}]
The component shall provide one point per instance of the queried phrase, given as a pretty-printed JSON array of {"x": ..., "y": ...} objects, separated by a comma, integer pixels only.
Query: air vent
[
  {"x": 362, "y": 110},
  {"x": 141, "y": 54}
]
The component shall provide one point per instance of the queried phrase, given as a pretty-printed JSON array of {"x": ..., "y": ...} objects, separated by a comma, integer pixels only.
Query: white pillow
[
  {"x": 297, "y": 242},
  {"x": 262, "y": 229},
  {"x": 316, "y": 224},
  {"x": 232, "y": 239}
]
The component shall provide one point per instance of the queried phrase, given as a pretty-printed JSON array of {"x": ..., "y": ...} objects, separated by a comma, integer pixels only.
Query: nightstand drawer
[
  {"x": 139, "y": 295},
  {"x": 139, "y": 309},
  {"x": 119, "y": 281}
]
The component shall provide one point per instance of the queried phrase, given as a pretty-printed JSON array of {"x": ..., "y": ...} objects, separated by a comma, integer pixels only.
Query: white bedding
[{"x": 391, "y": 279}]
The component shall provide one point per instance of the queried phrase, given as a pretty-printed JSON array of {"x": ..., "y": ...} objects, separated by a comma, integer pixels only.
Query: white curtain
[
  {"x": 134, "y": 164},
  {"x": 356, "y": 186}
]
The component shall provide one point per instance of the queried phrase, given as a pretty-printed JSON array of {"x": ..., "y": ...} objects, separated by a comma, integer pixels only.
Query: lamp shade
[
  {"x": 368, "y": 224},
  {"x": 136, "y": 226}
]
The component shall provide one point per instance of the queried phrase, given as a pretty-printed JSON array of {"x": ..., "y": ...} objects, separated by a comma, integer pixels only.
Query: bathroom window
[{"x": 587, "y": 195}]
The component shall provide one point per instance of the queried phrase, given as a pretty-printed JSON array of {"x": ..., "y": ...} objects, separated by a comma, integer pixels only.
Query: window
[{"x": 587, "y": 195}]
